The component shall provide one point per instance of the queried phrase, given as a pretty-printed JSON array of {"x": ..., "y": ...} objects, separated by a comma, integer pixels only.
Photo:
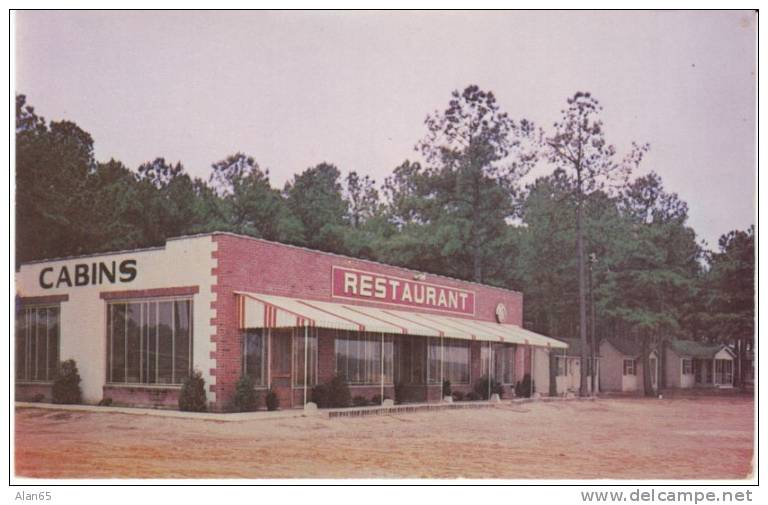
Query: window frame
[
  {"x": 683, "y": 363},
  {"x": 354, "y": 339},
  {"x": 632, "y": 367},
  {"x": 109, "y": 303}
]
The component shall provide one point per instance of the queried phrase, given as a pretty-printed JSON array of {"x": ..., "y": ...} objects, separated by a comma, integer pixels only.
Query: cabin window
[
  {"x": 37, "y": 343},
  {"x": 687, "y": 365},
  {"x": 562, "y": 366},
  {"x": 630, "y": 367},
  {"x": 149, "y": 341}
]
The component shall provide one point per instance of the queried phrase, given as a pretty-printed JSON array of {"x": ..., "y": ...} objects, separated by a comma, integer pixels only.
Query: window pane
[
  {"x": 255, "y": 356},
  {"x": 151, "y": 355},
  {"x": 132, "y": 345},
  {"x": 41, "y": 339},
  {"x": 53, "y": 342},
  {"x": 299, "y": 353},
  {"x": 21, "y": 344},
  {"x": 165, "y": 342},
  {"x": 118, "y": 342},
  {"x": 182, "y": 339}
]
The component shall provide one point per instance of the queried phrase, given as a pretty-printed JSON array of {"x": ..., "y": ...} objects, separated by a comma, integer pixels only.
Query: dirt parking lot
[{"x": 701, "y": 438}]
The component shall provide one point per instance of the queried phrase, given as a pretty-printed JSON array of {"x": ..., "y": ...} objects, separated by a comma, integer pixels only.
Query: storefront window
[
  {"x": 455, "y": 361},
  {"x": 255, "y": 356},
  {"x": 149, "y": 341},
  {"x": 503, "y": 360},
  {"x": 359, "y": 358},
  {"x": 37, "y": 343}
]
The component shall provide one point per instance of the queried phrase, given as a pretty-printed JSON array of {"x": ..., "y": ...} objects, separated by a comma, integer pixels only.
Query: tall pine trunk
[
  {"x": 582, "y": 290},
  {"x": 647, "y": 386}
]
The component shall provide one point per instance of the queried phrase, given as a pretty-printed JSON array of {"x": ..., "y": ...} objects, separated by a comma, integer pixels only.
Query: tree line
[{"x": 597, "y": 251}]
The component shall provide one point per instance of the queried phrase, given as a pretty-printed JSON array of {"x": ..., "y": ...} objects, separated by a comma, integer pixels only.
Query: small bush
[
  {"x": 105, "y": 402},
  {"x": 524, "y": 388},
  {"x": 338, "y": 392},
  {"x": 273, "y": 402},
  {"x": 320, "y": 396},
  {"x": 333, "y": 394},
  {"x": 446, "y": 388},
  {"x": 245, "y": 397},
  {"x": 360, "y": 401},
  {"x": 472, "y": 396},
  {"x": 376, "y": 400},
  {"x": 400, "y": 396},
  {"x": 481, "y": 388},
  {"x": 66, "y": 385},
  {"x": 192, "y": 395},
  {"x": 458, "y": 396},
  {"x": 39, "y": 397}
]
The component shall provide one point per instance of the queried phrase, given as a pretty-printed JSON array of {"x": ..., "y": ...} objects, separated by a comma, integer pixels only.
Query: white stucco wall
[{"x": 182, "y": 262}]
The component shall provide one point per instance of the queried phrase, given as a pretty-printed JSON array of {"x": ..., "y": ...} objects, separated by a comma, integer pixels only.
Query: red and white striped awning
[{"x": 268, "y": 311}]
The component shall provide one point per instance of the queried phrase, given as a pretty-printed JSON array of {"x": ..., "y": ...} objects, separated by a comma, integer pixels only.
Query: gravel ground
[{"x": 698, "y": 438}]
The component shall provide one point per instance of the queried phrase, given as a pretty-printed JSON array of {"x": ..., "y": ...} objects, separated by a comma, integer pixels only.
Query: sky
[{"x": 293, "y": 89}]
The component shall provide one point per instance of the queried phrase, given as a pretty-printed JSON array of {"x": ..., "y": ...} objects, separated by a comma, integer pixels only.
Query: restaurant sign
[{"x": 374, "y": 287}]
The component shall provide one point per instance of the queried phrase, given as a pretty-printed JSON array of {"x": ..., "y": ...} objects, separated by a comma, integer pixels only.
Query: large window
[
  {"x": 255, "y": 356},
  {"x": 149, "y": 341},
  {"x": 503, "y": 360},
  {"x": 359, "y": 358},
  {"x": 455, "y": 361},
  {"x": 37, "y": 343},
  {"x": 630, "y": 367},
  {"x": 687, "y": 365}
]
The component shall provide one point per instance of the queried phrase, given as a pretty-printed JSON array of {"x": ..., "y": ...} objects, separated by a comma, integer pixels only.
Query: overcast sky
[{"x": 353, "y": 89}]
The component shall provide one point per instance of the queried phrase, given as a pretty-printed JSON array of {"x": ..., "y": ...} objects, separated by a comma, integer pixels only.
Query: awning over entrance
[{"x": 268, "y": 311}]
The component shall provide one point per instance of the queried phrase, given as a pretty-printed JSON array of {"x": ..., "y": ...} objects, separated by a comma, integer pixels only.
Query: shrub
[
  {"x": 320, "y": 396},
  {"x": 273, "y": 402},
  {"x": 400, "y": 393},
  {"x": 105, "y": 402},
  {"x": 524, "y": 388},
  {"x": 66, "y": 385},
  {"x": 481, "y": 387},
  {"x": 338, "y": 392},
  {"x": 457, "y": 396},
  {"x": 333, "y": 394},
  {"x": 446, "y": 388},
  {"x": 245, "y": 397},
  {"x": 360, "y": 401},
  {"x": 39, "y": 397},
  {"x": 192, "y": 395},
  {"x": 376, "y": 400},
  {"x": 472, "y": 396}
]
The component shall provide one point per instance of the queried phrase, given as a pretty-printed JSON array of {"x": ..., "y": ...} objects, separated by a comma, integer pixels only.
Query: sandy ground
[{"x": 702, "y": 438}]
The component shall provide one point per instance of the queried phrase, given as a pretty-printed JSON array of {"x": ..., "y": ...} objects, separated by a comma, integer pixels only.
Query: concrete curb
[
  {"x": 203, "y": 416},
  {"x": 293, "y": 413}
]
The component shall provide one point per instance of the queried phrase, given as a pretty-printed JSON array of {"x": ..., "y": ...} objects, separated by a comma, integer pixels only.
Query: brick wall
[{"x": 264, "y": 267}]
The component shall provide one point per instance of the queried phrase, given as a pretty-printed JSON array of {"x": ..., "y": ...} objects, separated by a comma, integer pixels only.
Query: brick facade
[{"x": 245, "y": 264}]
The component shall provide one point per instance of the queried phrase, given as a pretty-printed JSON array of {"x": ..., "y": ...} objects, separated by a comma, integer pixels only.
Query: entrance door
[
  {"x": 723, "y": 372},
  {"x": 280, "y": 366}
]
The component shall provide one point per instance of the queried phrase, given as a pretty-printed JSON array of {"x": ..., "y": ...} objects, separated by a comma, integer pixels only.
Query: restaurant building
[{"x": 138, "y": 322}]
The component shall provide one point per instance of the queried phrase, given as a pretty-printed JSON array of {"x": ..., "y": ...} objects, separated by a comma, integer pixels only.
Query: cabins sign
[
  {"x": 85, "y": 274},
  {"x": 374, "y": 287}
]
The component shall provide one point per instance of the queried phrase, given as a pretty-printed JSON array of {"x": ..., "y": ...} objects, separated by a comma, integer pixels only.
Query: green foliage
[
  {"x": 66, "y": 385},
  {"x": 272, "y": 400},
  {"x": 524, "y": 388},
  {"x": 244, "y": 399},
  {"x": 333, "y": 394},
  {"x": 192, "y": 395},
  {"x": 482, "y": 388}
]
